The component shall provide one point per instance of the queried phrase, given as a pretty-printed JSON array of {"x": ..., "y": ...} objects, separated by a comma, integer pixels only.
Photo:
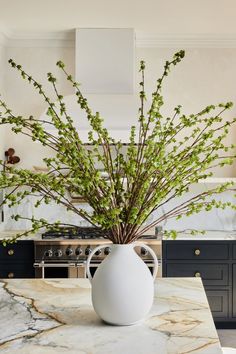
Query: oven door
[
  {"x": 73, "y": 269},
  {"x": 149, "y": 263},
  {"x": 63, "y": 269},
  {"x": 59, "y": 270}
]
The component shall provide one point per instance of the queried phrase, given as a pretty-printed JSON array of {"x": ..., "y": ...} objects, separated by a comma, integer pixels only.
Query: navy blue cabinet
[
  {"x": 219, "y": 304},
  {"x": 211, "y": 274},
  {"x": 213, "y": 261},
  {"x": 16, "y": 260}
]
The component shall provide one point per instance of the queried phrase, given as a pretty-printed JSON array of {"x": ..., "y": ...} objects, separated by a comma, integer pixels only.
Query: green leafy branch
[{"x": 164, "y": 157}]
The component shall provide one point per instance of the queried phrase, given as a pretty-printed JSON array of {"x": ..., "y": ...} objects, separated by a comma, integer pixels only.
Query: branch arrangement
[{"x": 164, "y": 157}]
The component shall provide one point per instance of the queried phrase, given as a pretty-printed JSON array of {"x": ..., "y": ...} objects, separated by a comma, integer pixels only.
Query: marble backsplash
[{"x": 216, "y": 219}]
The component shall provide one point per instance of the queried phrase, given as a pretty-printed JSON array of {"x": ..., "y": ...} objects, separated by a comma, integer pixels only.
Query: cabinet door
[
  {"x": 234, "y": 290},
  {"x": 196, "y": 250},
  {"x": 21, "y": 251},
  {"x": 219, "y": 303},
  {"x": 16, "y": 270},
  {"x": 234, "y": 251}
]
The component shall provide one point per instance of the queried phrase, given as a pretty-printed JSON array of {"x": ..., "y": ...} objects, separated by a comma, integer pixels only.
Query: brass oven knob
[
  {"x": 197, "y": 252},
  {"x": 10, "y": 275},
  {"x": 10, "y": 252},
  {"x": 197, "y": 275}
]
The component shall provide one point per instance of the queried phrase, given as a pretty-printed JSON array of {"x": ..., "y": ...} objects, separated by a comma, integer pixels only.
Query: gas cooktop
[
  {"x": 75, "y": 233},
  {"x": 84, "y": 233}
]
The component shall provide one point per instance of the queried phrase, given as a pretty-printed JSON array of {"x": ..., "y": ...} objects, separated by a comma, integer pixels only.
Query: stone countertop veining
[{"x": 43, "y": 316}]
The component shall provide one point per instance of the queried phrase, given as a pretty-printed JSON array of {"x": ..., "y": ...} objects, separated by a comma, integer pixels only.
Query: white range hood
[
  {"x": 105, "y": 60},
  {"x": 105, "y": 67}
]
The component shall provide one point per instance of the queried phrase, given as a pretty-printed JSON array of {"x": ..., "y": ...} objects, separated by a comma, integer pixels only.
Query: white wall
[
  {"x": 158, "y": 16},
  {"x": 205, "y": 76},
  {"x": 23, "y": 98}
]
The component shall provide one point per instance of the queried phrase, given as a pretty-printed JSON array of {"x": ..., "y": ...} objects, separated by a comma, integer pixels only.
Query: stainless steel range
[{"x": 63, "y": 253}]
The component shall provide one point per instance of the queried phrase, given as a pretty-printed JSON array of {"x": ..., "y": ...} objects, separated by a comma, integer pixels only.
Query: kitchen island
[{"x": 56, "y": 316}]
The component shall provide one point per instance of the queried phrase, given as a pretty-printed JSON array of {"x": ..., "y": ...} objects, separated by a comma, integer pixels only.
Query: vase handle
[
  {"x": 91, "y": 256},
  {"x": 150, "y": 250}
]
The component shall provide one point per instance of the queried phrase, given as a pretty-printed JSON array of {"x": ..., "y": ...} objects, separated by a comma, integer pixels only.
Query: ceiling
[{"x": 145, "y": 16}]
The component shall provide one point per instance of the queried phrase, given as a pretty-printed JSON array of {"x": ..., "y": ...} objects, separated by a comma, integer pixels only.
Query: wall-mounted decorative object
[{"x": 11, "y": 158}]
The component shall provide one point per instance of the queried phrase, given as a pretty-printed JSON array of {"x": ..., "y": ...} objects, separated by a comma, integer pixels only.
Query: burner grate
[
  {"x": 75, "y": 233},
  {"x": 82, "y": 233}
]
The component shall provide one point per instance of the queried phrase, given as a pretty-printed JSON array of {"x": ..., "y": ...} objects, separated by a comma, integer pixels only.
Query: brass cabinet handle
[
  {"x": 197, "y": 275},
  {"x": 197, "y": 252},
  {"x": 11, "y": 275},
  {"x": 10, "y": 252}
]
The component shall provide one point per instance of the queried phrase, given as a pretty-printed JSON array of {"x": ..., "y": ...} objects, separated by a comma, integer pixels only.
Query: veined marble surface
[{"x": 56, "y": 316}]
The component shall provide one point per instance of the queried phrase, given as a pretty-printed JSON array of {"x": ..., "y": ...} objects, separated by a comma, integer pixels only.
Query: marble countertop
[{"x": 43, "y": 316}]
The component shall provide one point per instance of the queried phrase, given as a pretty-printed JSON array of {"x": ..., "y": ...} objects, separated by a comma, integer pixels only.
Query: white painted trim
[
  {"x": 39, "y": 43},
  {"x": 185, "y": 41},
  {"x": 39, "y": 39},
  {"x": 58, "y": 35},
  {"x": 149, "y": 40}
]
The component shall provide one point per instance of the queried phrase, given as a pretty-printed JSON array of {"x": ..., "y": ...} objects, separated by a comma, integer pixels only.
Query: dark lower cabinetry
[
  {"x": 16, "y": 260},
  {"x": 211, "y": 274},
  {"x": 234, "y": 291},
  {"x": 219, "y": 303},
  {"x": 215, "y": 263}
]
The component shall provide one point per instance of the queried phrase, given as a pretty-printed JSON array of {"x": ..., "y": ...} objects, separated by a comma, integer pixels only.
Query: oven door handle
[
  {"x": 150, "y": 262},
  {"x": 55, "y": 265}
]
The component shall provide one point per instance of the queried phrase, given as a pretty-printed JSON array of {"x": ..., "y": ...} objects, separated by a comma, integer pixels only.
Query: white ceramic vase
[{"x": 123, "y": 286}]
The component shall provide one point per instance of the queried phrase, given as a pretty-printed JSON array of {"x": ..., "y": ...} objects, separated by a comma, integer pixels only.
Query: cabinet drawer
[
  {"x": 196, "y": 250},
  {"x": 219, "y": 302},
  {"x": 20, "y": 251},
  {"x": 211, "y": 274},
  {"x": 18, "y": 270}
]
